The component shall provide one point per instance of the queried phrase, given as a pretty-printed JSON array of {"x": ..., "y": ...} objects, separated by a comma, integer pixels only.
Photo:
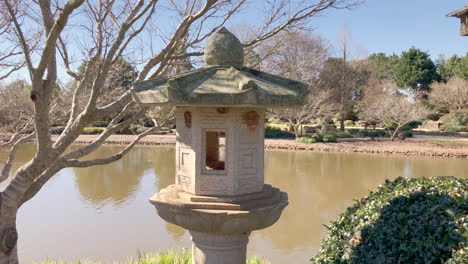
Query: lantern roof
[{"x": 223, "y": 82}]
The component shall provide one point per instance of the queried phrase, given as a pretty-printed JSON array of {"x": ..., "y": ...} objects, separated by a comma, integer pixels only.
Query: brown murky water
[{"x": 102, "y": 213}]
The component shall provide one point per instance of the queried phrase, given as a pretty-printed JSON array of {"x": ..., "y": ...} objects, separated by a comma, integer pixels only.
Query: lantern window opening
[{"x": 215, "y": 154}]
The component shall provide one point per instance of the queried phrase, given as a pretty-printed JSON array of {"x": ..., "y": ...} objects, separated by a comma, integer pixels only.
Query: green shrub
[
  {"x": 314, "y": 138},
  {"x": 329, "y": 138},
  {"x": 342, "y": 134},
  {"x": 57, "y": 130},
  {"x": 148, "y": 122},
  {"x": 100, "y": 124},
  {"x": 448, "y": 128},
  {"x": 405, "y": 221},
  {"x": 275, "y": 132},
  {"x": 439, "y": 133},
  {"x": 407, "y": 134},
  {"x": 93, "y": 130},
  {"x": 371, "y": 133},
  {"x": 349, "y": 123}
]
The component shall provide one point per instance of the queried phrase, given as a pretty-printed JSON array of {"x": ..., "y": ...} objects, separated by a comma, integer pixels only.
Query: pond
[{"x": 102, "y": 213}]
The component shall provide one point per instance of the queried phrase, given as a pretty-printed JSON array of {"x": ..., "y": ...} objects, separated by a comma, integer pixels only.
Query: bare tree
[
  {"x": 451, "y": 95},
  {"x": 300, "y": 56},
  {"x": 391, "y": 107},
  {"x": 54, "y": 35},
  {"x": 340, "y": 75}
]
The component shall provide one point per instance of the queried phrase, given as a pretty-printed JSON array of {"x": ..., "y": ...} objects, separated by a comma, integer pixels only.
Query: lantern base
[{"x": 220, "y": 225}]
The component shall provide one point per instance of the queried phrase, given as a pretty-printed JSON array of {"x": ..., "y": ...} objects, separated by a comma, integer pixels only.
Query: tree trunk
[
  {"x": 342, "y": 122},
  {"x": 324, "y": 127},
  {"x": 8, "y": 239},
  {"x": 296, "y": 130}
]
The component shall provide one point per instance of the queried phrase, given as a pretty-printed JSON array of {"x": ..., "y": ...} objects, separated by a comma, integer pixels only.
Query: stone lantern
[{"x": 220, "y": 195}]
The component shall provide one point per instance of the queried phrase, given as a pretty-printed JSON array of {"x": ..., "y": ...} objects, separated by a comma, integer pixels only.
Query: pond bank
[
  {"x": 418, "y": 146},
  {"x": 428, "y": 146}
]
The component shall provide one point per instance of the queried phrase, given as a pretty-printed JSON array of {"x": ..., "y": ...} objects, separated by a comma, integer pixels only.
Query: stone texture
[
  {"x": 221, "y": 217},
  {"x": 224, "y": 82},
  {"x": 243, "y": 150},
  {"x": 215, "y": 249},
  {"x": 224, "y": 48}
]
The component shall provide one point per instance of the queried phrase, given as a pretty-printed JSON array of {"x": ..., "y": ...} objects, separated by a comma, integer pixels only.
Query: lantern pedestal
[
  {"x": 212, "y": 248},
  {"x": 220, "y": 225}
]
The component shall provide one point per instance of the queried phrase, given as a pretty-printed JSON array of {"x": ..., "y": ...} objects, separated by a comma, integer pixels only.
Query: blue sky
[{"x": 393, "y": 26}]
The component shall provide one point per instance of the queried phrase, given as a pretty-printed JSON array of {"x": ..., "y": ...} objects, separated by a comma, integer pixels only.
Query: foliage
[
  {"x": 382, "y": 65},
  {"x": 405, "y": 221},
  {"x": 329, "y": 138},
  {"x": 57, "y": 130},
  {"x": 415, "y": 69},
  {"x": 93, "y": 130},
  {"x": 454, "y": 66},
  {"x": 407, "y": 134},
  {"x": 100, "y": 124},
  {"x": 342, "y": 134},
  {"x": 349, "y": 123},
  {"x": 275, "y": 132},
  {"x": 439, "y": 133},
  {"x": 166, "y": 257},
  {"x": 455, "y": 121},
  {"x": 314, "y": 138}
]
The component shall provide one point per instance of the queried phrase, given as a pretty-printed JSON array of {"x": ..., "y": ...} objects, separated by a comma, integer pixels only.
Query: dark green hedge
[{"x": 405, "y": 221}]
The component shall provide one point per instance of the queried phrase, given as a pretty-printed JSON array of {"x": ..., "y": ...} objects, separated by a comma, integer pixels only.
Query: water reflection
[{"x": 111, "y": 203}]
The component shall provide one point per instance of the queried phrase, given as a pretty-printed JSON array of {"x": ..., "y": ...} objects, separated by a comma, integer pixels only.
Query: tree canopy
[{"x": 415, "y": 69}]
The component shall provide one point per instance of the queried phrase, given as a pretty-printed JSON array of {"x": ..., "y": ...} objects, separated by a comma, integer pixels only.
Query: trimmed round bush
[
  {"x": 275, "y": 132},
  {"x": 93, "y": 130},
  {"x": 349, "y": 123},
  {"x": 405, "y": 221},
  {"x": 329, "y": 138},
  {"x": 314, "y": 138}
]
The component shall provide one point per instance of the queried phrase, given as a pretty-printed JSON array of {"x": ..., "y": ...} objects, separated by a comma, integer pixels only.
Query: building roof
[
  {"x": 459, "y": 13},
  {"x": 223, "y": 82}
]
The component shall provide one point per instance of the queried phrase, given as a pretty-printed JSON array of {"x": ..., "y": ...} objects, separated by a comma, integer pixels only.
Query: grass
[
  {"x": 167, "y": 257},
  {"x": 451, "y": 142}
]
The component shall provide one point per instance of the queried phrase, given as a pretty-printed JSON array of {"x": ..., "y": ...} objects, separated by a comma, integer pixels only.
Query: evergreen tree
[{"x": 416, "y": 70}]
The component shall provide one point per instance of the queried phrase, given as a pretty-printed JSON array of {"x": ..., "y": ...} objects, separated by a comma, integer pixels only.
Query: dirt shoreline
[
  {"x": 418, "y": 146},
  {"x": 428, "y": 146}
]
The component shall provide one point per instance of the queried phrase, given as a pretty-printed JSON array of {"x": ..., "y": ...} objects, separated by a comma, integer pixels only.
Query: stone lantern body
[{"x": 220, "y": 195}]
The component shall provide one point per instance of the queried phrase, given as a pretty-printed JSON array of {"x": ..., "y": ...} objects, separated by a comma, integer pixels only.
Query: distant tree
[
  {"x": 454, "y": 66},
  {"x": 391, "y": 107},
  {"x": 299, "y": 56},
  {"x": 345, "y": 81},
  {"x": 382, "y": 65},
  {"x": 16, "y": 109},
  {"x": 450, "y": 95},
  {"x": 415, "y": 69}
]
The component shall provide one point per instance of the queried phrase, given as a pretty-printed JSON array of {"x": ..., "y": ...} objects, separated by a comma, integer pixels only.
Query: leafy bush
[
  {"x": 93, "y": 130},
  {"x": 349, "y": 123},
  {"x": 100, "y": 124},
  {"x": 275, "y": 132},
  {"x": 329, "y": 138},
  {"x": 438, "y": 133},
  {"x": 57, "y": 130},
  {"x": 407, "y": 134},
  {"x": 314, "y": 138},
  {"x": 448, "y": 128},
  {"x": 368, "y": 133},
  {"x": 342, "y": 134},
  {"x": 148, "y": 122},
  {"x": 405, "y": 221}
]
